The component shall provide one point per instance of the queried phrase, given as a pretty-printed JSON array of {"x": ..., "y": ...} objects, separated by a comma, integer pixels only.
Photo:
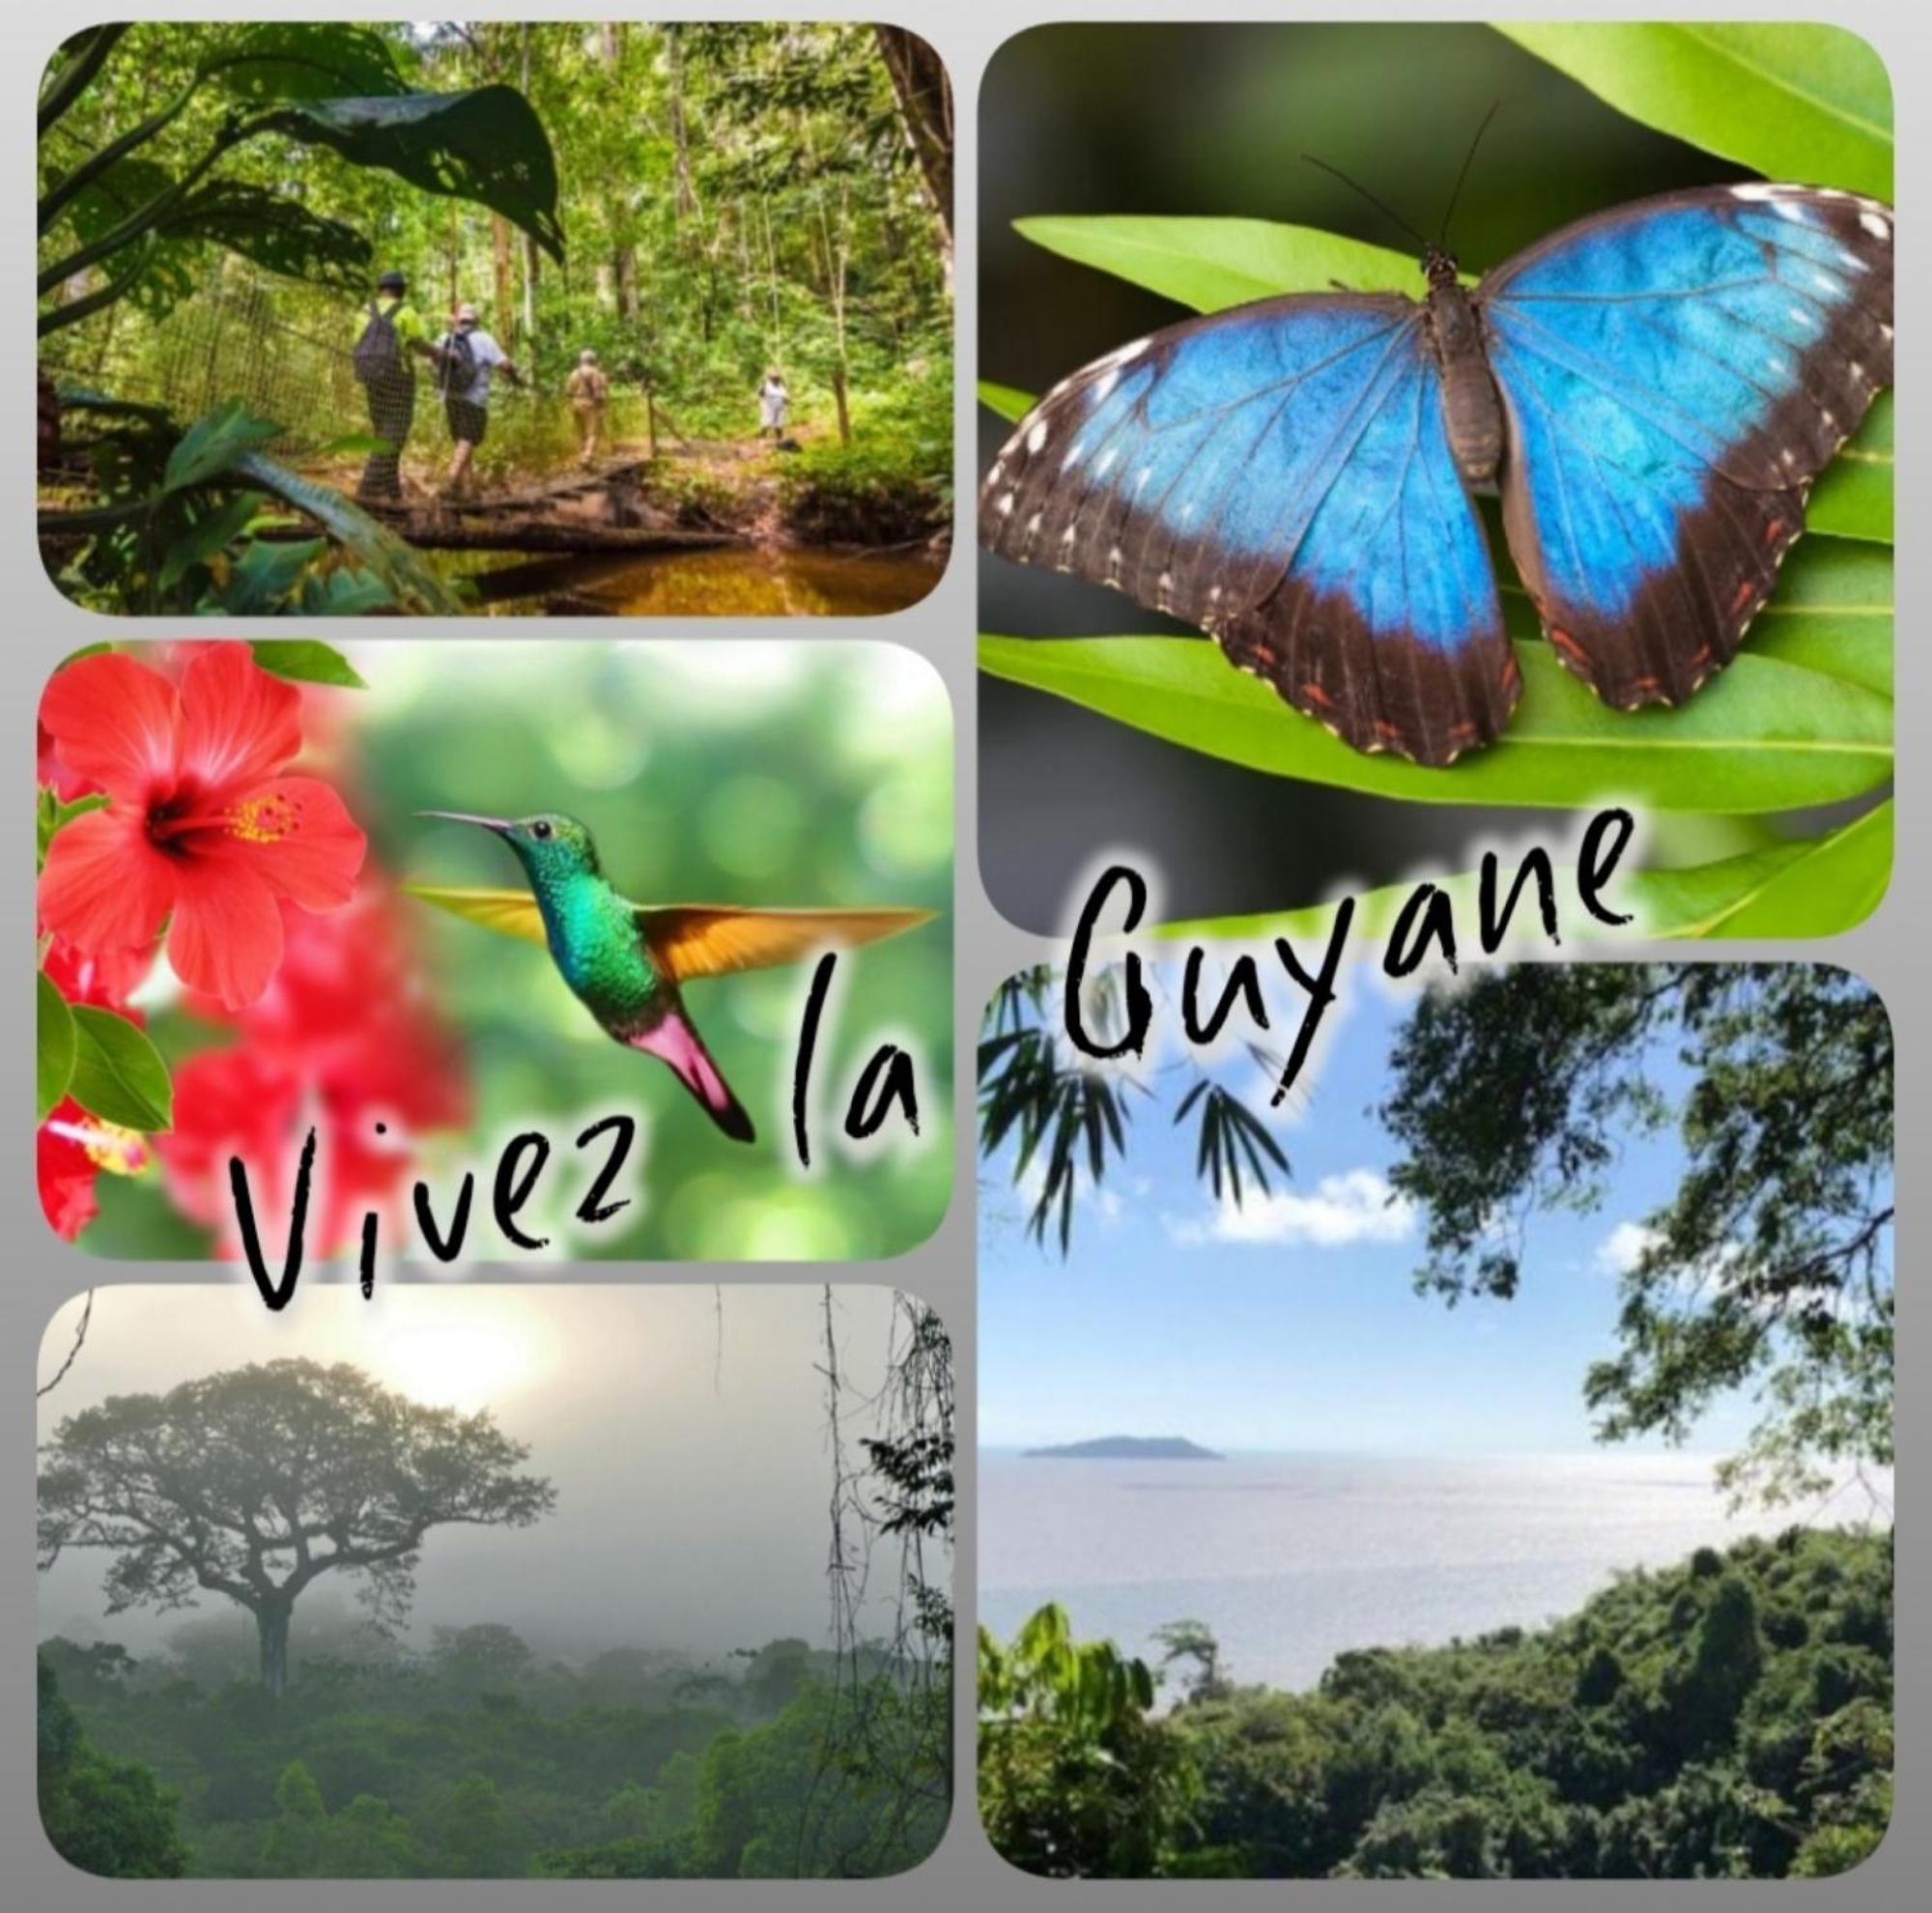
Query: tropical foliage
[{"x": 1727, "y": 1718}]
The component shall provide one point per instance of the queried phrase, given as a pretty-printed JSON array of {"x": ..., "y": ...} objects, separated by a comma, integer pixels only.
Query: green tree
[
  {"x": 104, "y": 1815},
  {"x": 256, "y": 1482},
  {"x": 1771, "y": 1265}
]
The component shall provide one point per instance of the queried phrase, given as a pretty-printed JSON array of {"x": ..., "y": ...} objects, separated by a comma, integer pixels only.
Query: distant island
[{"x": 1126, "y": 1447}]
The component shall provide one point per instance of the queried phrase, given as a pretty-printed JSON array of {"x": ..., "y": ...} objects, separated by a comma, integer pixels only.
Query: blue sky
[{"x": 1292, "y": 1324}]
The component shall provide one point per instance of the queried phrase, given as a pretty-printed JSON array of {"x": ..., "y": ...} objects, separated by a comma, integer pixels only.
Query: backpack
[
  {"x": 455, "y": 364},
  {"x": 378, "y": 355}
]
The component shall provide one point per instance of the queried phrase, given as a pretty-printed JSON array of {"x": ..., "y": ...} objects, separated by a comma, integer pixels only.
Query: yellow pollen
[
  {"x": 265, "y": 819},
  {"x": 109, "y": 1146}
]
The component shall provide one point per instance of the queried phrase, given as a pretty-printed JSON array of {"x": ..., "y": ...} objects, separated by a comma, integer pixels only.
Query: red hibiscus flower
[
  {"x": 201, "y": 833},
  {"x": 345, "y": 1040}
]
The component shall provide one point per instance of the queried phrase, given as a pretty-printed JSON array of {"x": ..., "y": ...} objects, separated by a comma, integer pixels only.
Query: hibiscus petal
[
  {"x": 114, "y": 722},
  {"x": 227, "y": 938},
  {"x": 295, "y": 833},
  {"x": 240, "y": 724},
  {"x": 105, "y": 888}
]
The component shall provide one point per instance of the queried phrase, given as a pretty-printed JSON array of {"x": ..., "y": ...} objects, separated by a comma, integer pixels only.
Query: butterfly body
[{"x": 1651, "y": 390}]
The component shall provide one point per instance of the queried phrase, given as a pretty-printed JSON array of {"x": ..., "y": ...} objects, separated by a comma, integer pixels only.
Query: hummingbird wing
[
  {"x": 687, "y": 940},
  {"x": 509, "y": 912}
]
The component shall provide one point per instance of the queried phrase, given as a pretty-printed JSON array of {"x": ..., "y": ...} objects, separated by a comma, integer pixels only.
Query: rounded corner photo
[
  {"x": 1460, "y": 1447},
  {"x": 542, "y": 1583},
  {"x": 1508, "y": 406},
  {"x": 456, "y": 952},
  {"x": 591, "y": 318}
]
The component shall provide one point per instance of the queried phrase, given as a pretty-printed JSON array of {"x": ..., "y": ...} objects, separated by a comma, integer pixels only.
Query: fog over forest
[{"x": 684, "y": 1429}]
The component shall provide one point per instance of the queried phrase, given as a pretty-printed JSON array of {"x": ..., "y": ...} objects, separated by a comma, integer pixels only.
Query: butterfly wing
[
  {"x": 1280, "y": 475},
  {"x": 1674, "y": 375}
]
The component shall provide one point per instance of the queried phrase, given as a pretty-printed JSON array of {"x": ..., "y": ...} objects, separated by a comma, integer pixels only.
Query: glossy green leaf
[
  {"x": 118, "y": 1073},
  {"x": 1767, "y": 735},
  {"x": 306, "y": 661},
  {"x": 53, "y": 1045},
  {"x": 275, "y": 232},
  {"x": 1211, "y": 264},
  {"x": 1812, "y": 104},
  {"x": 1817, "y": 887},
  {"x": 1853, "y": 495}
]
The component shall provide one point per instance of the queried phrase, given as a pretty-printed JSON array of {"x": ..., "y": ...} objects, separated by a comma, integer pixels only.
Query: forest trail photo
[{"x": 532, "y": 317}]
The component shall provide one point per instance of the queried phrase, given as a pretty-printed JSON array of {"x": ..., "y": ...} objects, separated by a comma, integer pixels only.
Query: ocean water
[{"x": 1291, "y": 1558}]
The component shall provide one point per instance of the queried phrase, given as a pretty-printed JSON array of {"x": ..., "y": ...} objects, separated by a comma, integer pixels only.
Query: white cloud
[
  {"x": 1623, "y": 1247},
  {"x": 1358, "y": 1207}
]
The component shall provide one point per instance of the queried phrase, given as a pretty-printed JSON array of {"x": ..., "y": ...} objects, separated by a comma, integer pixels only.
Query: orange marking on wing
[
  {"x": 1774, "y": 531},
  {"x": 1568, "y": 645},
  {"x": 1742, "y": 595},
  {"x": 1314, "y": 695}
]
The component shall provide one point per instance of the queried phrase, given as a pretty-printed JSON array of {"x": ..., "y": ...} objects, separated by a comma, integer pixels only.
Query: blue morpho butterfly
[{"x": 1653, "y": 389}]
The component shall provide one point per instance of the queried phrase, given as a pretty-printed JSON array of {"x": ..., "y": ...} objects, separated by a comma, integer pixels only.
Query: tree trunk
[
  {"x": 272, "y": 1628},
  {"x": 685, "y": 202},
  {"x": 505, "y": 309},
  {"x": 924, "y": 97}
]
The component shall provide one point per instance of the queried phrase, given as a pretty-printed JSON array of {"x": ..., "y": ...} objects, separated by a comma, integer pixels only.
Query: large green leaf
[
  {"x": 118, "y": 1073},
  {"x": 1767, "y": 735},
  {"x": 1832, "y": 612},
  {"x": 1853, "y": 495},
  {"x": 400, "y": 567},
  {"x": 1211, "y": 264},
  {"x": 486, "y": 145},
  {"x": 278, "y": 60},
  {"x": 1817, "y": 887},
  {"x": 1812, "y": 104},
  {"x": 1813, "y": 888},
  {"x": 53, "y": 1045},
  {"x": 214, "y": 445},
  {"x": 275, "y": 232}
]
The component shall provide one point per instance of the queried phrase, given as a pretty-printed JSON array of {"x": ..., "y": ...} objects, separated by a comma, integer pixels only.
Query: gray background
[{"x": 37, "y": 628}]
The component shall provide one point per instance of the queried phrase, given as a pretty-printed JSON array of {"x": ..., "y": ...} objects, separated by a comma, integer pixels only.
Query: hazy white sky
[{"x": 684, "y": 1428}]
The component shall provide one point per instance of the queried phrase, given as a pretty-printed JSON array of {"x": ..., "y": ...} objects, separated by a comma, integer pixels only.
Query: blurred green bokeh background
[
  {"x": 759, "y": 773},
  {"x": 1214, "y": 121}
]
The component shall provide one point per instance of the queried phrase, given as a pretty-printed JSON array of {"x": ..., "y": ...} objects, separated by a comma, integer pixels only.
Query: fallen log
[{"x": 437, "y": 532}]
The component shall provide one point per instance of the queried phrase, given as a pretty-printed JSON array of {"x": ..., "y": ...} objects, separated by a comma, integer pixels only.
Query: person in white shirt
[
  {"x": 774, "y": 399},
  {"x": 465, "y": 356}
]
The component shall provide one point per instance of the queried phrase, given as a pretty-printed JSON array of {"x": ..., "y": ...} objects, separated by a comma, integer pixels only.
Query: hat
[
  {"x": 392, "y": 281},
  {"x": 586, "y": 356},
  {"x": 466, "y": 315}
]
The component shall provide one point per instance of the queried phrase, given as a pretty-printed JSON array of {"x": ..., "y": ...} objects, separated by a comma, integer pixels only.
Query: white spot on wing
[
  {"x": 1104, "y": 384},
  {"x": 1877, "y": 225},
  {"x": 1037, "y": 438}
]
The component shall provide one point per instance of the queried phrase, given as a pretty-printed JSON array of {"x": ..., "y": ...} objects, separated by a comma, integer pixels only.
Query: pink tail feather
[{"x": 676, "y": 1043}]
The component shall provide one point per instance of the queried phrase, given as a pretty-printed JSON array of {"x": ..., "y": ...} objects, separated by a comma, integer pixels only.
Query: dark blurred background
[{"x": 1208, "y": 121}]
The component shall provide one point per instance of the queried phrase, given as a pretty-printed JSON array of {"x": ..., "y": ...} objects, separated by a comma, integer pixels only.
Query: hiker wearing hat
[
  {"x": 590, "y": 393},
  {"x": 393, "y": 330},
  {"x": 465, "y": 357}
]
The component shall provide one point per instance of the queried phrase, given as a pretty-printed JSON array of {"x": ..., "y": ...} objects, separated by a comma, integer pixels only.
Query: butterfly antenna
[
  {"x": 1355, "y": 185},
  {"x": 1469, "y": 159}
]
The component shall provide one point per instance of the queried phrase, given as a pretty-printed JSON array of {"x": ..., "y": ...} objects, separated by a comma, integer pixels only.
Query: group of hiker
[{"x": 461, "y": 360}]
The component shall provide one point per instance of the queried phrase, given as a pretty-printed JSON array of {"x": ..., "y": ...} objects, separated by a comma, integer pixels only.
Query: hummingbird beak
[{"x": 498, "y": 825}]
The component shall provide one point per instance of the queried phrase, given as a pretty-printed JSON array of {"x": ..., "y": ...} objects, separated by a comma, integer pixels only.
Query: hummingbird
[{"x": 626, "y": 961}]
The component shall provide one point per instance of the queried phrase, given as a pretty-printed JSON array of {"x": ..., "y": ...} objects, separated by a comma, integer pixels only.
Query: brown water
[{"x": 731, "y": 582}]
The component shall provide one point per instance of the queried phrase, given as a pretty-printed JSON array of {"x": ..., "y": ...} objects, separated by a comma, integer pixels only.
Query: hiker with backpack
[
  {"x": 465, "y": 357},
  {"x": 774, "y": 401},
  {"x": 393, "y": 329},
  {"x": 588, "y": 391}
]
